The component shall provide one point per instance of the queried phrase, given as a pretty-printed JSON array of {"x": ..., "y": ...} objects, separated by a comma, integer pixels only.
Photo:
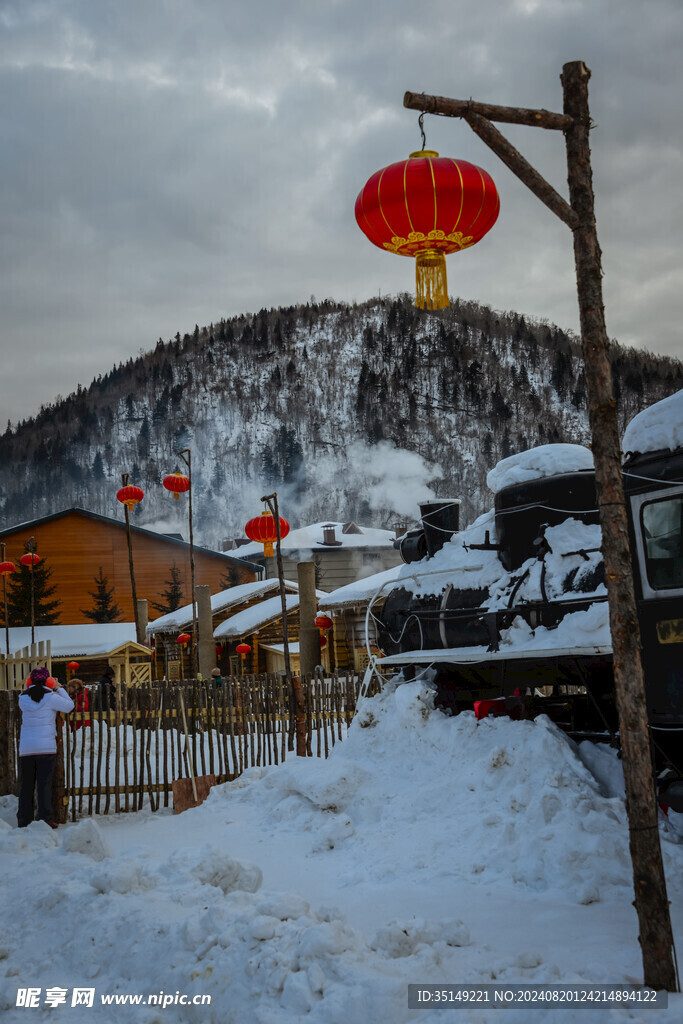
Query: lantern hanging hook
[{"x": 420, "y": 122}]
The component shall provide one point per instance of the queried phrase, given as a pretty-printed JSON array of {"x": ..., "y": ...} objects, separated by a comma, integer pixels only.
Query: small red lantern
[
  {"x": 323, "y": 622},
  {"x": 243, "y": 649},
  {"x": 6, "y": 568},
  {"x": 184, "y": 638},
  {"x": 178, "y": 483},
  {"x": 219, "y": 650},
  {"x": 323, "y": 642},
  {"x": 130, "y": 496},
  {"x": 428, "y": 206},
  {"x": 29, "y": 558},
  {"x": 73, "y": 666},
  {"x": 262, "y": 530}
]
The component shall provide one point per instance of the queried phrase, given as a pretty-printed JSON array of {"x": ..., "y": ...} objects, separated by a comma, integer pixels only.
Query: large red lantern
[
  {"x": 178, "y": 483},
  {"x": 262, "y": 530},
  {"x": 243, "y": 649},
  {"x": 130, "y": 496},
  {"x": 6, "y": 568},
  {"x": 183, "y": 638},
  {"x": 323, "y": 622},
  {"x": 73, "y": 666},
  {"x": 29, "y": 559},
  {"x": 426, "y": 207}
]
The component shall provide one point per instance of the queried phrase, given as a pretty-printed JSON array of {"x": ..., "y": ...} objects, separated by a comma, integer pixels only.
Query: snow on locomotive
[{"x": 510, "y": 615}]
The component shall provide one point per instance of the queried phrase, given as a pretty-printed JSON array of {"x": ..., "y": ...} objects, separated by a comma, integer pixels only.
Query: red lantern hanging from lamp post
[
  {"x": 6, "y": 569},
  {"x": 130, "y": 496},
  {"x": 31, "y": 559},
  {"x": 177, "y": 483},
  {"x": 426, "y": 207},
  {"x": 263, "y": 530}
]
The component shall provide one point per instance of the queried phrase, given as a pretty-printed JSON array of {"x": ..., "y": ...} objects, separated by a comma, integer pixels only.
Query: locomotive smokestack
[{"x": 440, "y": 520}]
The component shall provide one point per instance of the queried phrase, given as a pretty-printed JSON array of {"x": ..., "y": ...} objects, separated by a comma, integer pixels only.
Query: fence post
[
  {"x": 6, "y": 783},
  {"x": 299, "y": 716}
]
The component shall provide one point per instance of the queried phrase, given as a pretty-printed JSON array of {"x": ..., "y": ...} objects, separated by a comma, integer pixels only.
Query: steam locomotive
[{"x": 510, "y": 616}]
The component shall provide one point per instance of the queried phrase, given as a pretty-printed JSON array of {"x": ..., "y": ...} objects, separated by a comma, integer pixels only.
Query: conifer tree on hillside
[
  {"x": 19, "y": 596},
  {"x": 173, "y": 594},
  {"x": 104, "y": 608}
]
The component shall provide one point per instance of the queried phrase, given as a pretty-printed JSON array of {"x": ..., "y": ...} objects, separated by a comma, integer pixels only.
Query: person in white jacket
[{"x": 38, "y": 744}]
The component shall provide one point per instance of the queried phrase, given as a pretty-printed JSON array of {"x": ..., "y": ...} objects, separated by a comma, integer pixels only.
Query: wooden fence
[
  {"x": 16, "y": 667},
  {"x": 126, "y": 758}
]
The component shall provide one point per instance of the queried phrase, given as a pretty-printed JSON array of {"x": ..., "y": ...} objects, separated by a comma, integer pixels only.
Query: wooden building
[
  {"x": 75, "y": 543},
  {"x": 342, "y": 552},
  {"x": 94, "y": 646}
]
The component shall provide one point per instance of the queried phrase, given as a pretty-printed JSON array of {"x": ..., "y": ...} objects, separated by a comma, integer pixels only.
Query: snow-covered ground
[{"x": 426, "y": 849}]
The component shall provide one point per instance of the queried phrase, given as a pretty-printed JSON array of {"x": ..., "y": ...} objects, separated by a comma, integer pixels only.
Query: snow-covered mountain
[{"x": 348, "y": 411}]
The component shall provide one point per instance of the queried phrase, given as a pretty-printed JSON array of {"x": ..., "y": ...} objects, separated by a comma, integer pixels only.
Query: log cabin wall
[{"x": 76, "y": 543}]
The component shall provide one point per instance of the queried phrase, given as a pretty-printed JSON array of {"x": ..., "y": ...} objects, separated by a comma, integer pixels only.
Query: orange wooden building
[{"x": 75, "y": 543}]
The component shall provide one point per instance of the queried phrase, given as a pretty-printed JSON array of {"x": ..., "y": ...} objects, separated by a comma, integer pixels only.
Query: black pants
[{"x": 35, "y": 773}]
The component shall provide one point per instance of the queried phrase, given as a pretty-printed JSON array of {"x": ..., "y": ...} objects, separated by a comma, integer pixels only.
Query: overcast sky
[{"x": 172, "y": 162}]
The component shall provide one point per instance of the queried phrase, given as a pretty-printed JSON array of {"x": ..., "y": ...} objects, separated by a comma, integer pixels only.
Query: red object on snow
[{"x": 495, "y": 706}]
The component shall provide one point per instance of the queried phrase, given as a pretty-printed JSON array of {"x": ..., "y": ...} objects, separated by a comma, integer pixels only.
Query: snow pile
[
  {"x": 437, "y": 836},
  {"x": 659, "y": 427},
  {"x": 536, "y": 463},
  {"x": 519, "y": 807}
]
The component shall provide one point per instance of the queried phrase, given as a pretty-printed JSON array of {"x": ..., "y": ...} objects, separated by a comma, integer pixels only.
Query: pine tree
[
  {"x": 173, "y": 594},
  {"x": 232, "y": 577},
  {"x": 103, "y": 609},
  {"x": 46, "y": 612}
]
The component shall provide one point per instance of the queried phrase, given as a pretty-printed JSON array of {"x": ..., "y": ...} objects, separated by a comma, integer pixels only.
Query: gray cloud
[{"x": 168, "y": 163}]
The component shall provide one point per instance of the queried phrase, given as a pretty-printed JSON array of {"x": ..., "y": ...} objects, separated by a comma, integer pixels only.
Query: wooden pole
[
  {"x": 463, "y": 108},
  {"x": 271, "y": 501},
  {"x": 186, "y": 456},
  {"x": 124, "y": 481},
  {"x": 651, "y": 902},
  {"x": 31, "y": 547},
  {"x": 4, "y": 594}
]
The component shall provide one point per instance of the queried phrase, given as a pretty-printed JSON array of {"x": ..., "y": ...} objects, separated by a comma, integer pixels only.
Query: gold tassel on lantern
[{"x": 430, "y": 280}]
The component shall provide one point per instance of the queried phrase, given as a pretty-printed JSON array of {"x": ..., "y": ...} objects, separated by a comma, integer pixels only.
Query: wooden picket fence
[{"x": 127, "y": 758}]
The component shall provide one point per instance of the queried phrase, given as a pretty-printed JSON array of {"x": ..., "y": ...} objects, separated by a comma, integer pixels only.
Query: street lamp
[
  {"x": 651, "y": 902},
  {"x": 179, "y": 484}
]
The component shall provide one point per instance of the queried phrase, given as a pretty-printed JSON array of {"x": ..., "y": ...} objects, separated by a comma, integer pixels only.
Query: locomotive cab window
[{"x": 662, "y": 526}]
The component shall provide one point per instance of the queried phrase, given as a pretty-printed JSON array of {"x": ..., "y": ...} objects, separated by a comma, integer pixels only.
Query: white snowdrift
[
  {"x": 458, "y": 850},
  {"x": 536, "y": 463}
]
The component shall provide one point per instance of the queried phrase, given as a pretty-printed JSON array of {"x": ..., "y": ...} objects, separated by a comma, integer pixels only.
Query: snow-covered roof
[
  {"x": 73, "y": 641},
  {"x": 182, "y": 617},
  {"x": 657, "y": 428},
  {"x": 359, "y": 591},
  {"x": 254, "y": 617},
  {"x": 280, "y": 648},
  {"x": 310, "y": 538},
  {"x": 536, "y": 463}
]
